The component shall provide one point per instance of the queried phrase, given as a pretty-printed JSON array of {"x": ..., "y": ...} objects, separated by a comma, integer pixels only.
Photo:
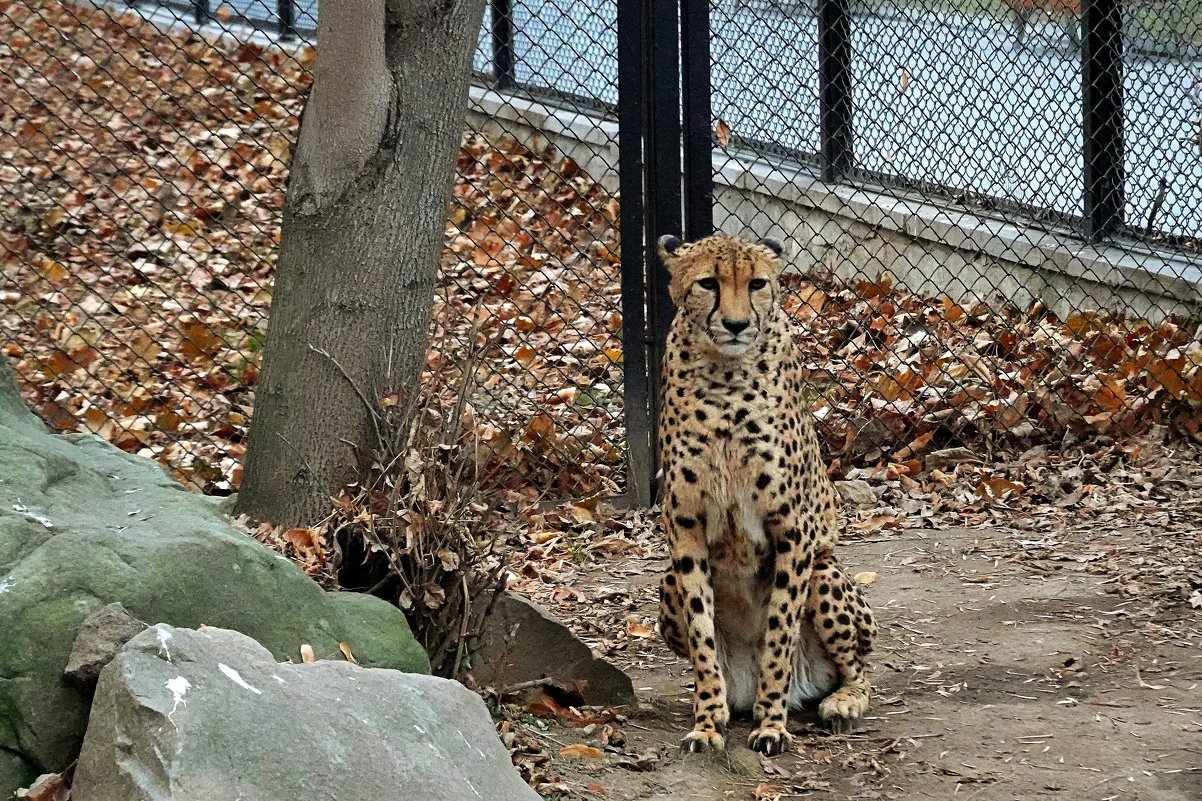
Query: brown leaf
[
  {"x": 48, "y": 787},
  {"x": 307, "y": 655},
  {"x": 346, "y": 651},
  {"x": 199, "y": 340}
]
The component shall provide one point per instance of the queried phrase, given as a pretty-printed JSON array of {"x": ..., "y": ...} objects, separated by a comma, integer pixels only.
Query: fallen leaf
[
  {"x": 864, "y": 577},
  {"x": 306, "y": 540},
  {"x": 47, "y": 787},
  {"x": 722, "y": 133},
  {"x": 346, "y": 651},
  {"x": 306, "y": 652},
  {"x": 768, "y": 792},
  {"x": 582, "y": 751},
  {"x": 637, "y": 629}
]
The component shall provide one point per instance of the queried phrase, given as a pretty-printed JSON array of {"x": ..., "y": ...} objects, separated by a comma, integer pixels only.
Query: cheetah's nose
[{"x": 735, "y": 326}]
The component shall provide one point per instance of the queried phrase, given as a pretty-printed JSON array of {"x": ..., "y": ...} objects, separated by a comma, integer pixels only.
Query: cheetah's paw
[
  {"x": 770, "y": 739},
  {"x": 703, "y": 739},
  {"x": 843, "y": 709}
]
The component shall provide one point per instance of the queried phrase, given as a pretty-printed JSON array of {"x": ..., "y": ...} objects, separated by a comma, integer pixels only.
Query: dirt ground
[{"x": 994, "y": 678}]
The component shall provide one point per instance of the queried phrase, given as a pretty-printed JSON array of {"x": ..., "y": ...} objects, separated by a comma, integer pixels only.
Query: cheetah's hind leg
[{"x": 845, "y": 627}]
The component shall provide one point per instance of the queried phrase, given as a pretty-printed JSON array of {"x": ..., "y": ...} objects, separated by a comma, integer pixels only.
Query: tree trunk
[{"x": 362, "y": 233}]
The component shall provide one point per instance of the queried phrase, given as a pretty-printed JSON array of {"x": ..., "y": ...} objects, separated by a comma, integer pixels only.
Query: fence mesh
[
  {"x": 143, "y": 161},
  {"x": 947, "y": 278},
  {"x": 947, "y": 284}
]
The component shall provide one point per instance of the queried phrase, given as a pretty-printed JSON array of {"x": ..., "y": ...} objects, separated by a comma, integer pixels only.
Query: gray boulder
[
  {"x": 203, "y": 715},
  {"x": 522, "y": 642},
  {"x": 82, "y": 525}
]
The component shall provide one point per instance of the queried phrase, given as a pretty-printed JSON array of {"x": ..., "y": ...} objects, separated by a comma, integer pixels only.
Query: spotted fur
[{"x": 754, "y": 597}]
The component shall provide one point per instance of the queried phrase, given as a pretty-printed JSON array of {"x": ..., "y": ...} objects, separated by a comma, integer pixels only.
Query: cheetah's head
[{"x": 725, "y": 285}]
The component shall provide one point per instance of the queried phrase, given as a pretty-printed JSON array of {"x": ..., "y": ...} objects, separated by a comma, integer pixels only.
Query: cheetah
[{"x": 754, "y": 597}]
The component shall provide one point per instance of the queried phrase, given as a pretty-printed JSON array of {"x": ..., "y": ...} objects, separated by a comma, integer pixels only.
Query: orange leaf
[
  {"x": 199, "y": 340},
  {"x": 1168, "y": 374},
  {"x": 581, "y": 750},
  {"x": 998, "y": 487},
  {"x": 167, "y": 421},
  {"x": 53, "y": 271},
  {"x": 307, "y": 542},
  {"x": 952, "y": 312},
  {"x": 916, "y": 446},
  {"x": 524, "y": 355},
  {"x": 541, "y": 427},
  {"x": 722, "y": 133},
  {"x": 870, "y": 290},
  {"x": 346, "y": 651},
  {"x": 1082, "y": 323},
  {"x": 637, "y": 629},
  {"x": 768, "y": 792}
]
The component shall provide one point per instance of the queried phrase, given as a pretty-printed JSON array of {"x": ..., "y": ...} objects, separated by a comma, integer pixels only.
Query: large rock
[
  {"x": 522, "y": 642},
  {"x": 83, "y": 525},
  {"x": 206, "y": 715}
]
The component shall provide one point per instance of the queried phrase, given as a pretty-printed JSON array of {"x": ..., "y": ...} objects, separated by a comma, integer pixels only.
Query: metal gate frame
[{"x": 666, "y": 168}]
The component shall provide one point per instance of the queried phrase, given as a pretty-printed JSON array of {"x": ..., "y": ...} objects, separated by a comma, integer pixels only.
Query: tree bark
[{"x": 362, "y": 233}]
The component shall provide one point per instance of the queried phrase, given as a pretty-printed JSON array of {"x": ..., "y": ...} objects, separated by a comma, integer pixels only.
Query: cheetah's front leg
[
  {"x": 794, "y": 542},
  {"x": 690, "y": 565}
]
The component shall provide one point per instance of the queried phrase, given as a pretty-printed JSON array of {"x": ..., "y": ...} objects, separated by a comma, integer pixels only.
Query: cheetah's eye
[
  {"x": 757, "y": 283},
  {"x": 710, "y": 284}
]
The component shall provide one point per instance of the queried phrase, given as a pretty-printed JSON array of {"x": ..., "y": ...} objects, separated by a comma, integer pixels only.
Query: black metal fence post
[
  {"x": 200, "y": 10},
  {"x": 1102, "y": 115},
  {"x": 286, "y": 12},
  {"x": 632, "y": 122},
  {"x": 834, "y": 87},
  {"x": 698, "y": 119},
  {"x": 649, "y": 135},
  {"x": 502, "y": 43},
  {"x": 663, "y": 212}
]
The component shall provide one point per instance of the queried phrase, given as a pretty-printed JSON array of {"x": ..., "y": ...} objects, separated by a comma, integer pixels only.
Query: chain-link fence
[
  {"x": 995, "y": 207},
  {"x": 143, "y": 159},
  {"x": 992, "y": 210}
]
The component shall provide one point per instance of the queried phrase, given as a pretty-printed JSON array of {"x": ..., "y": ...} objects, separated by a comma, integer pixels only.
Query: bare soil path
[{"x": 995, "y": 679}]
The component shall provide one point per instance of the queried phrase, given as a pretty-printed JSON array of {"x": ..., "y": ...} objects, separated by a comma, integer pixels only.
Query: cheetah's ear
[
  {"x": 772, "y": 244},
  {"x": 667, "y": 245}
]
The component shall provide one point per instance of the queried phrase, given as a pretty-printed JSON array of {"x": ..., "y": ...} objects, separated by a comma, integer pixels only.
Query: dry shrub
[{"x": 417, "y": 532}]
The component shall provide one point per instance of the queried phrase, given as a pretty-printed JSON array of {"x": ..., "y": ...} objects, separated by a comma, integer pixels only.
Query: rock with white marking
[
  {"x": 83, "y": 525},
  {"x": 195, "y": 715}
]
